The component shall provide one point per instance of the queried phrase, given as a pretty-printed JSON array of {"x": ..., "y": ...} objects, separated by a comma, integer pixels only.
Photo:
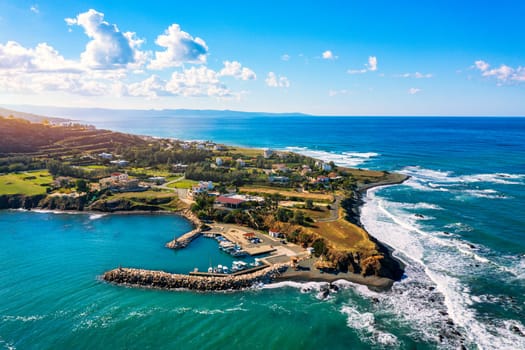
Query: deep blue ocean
[{"x": 464, "y": 250}]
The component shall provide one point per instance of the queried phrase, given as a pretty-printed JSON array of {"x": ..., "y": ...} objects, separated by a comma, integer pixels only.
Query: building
[
  {"x": 180, "y": 168},
  {"x": 241, "y": 163},
  {"x": 234, "y": 200},
  {"x": 278, "y": 179},
  {"x": 119, "y": 177},
  {"x": 275, "y": 233},
  {"x": 280, "y": 167},
  {"x": 159, "y": 180},
  {"x": 105, "y": 155},
  {"x": 218, "y": 161},
  {"x": 267, "y": 153},
  {"x": 201, "y": 187},
  {"x": 119, "y": 162}
]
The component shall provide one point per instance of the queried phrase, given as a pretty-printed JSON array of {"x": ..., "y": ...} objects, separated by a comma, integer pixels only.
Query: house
[
  {"x": 323, "y": 179},
  {"x": 267, "y": 153},
  {"x": 229, "y": 201},
  {"x": 280, "y": 167},
  {"x": 180, "y": 168},
  {"x": 105, "y": 155},
  {"x": 218, "y": 161},
  {"x": 219, "y": 148},
  {"x": 119, "y": 162},
  {"x": 201, "y": 187},
  {"x": 119, "y": 177},
  {"x": 278, "y": 179},
  {"x": 326, "y": 167},
  {"x": 240, "y": 162},
  {"x": 275, "y": 233},
  {"x": 186, "y": 146},
  {"x": 305, "y": 169},
  {"x": 159, "y": 180},
  {"x": 234, "y": 200}
]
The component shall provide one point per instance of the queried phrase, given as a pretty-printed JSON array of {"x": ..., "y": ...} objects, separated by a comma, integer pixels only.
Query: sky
[{"x": 424, "y": 57}]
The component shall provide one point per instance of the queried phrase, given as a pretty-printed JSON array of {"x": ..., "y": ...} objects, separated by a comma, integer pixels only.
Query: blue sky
[{"x": 327, "y": 58}]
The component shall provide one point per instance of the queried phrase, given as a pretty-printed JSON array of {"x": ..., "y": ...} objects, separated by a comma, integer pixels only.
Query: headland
[{"x": 299, "y": 214}]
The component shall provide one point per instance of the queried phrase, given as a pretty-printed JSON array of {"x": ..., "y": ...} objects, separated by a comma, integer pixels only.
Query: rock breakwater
[{"x": 165, "y": 280}]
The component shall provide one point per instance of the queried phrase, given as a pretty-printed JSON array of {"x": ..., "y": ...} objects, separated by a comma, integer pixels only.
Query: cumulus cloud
[
  {"x": 503, "y": 74},
  {"x": 236, "y": 70},
  {"x": 371, "y": 66},
  {"x": 328, "y": 55},
  {"x": 416, "y": 75},
  {"x": 285, "y": 57},
  {"x": 372, "y": 63},
  {"x": 272, "y": 80},
  {"x": 413, "y": 91},
  {"x": 180, "y": 47},
  {"x": 34, "y": 9},
  {"x": 194, "y": 81},
  {"x": 333, "y": 93},
  {"x": 42, "y": 58},
  {"x": 109, "y": 48}
]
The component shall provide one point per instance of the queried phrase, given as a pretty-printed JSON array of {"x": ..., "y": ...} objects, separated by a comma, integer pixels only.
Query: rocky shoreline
[{"x": 164, "y": 280}]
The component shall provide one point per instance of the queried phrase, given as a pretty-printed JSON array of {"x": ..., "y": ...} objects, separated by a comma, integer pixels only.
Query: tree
[
  {"x": 82, "y": 185},
  {"x": 309, "y": 204}
]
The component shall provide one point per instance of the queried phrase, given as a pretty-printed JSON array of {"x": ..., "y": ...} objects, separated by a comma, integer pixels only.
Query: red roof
[{"x": 228, "y": 200}]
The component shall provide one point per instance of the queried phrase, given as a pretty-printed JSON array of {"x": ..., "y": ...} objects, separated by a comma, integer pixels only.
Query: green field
[
  {"x": 27, "y": 183},
  {"x": 186, "y": 184}
]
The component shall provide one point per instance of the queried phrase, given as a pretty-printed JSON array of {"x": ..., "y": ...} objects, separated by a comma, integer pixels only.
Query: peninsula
[{"x": 299, "y": 214}]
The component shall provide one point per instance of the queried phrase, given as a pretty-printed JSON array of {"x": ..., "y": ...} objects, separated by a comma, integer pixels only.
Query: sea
[{"x": 458, "y": 224}]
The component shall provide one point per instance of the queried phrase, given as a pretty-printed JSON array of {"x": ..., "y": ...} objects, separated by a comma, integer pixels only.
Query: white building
[
  {"x": 218, "y": 161},
  {"x": 267, "y": 153}
]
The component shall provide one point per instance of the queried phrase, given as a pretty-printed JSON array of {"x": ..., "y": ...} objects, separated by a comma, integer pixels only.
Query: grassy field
[
  {"x": 27, "y": 183},
  {"x": 249, "y": 152},
  {"x": 287, "y": 193},
  {"x": 345, "y": 236},
  {"x": 186, "y": 184}
]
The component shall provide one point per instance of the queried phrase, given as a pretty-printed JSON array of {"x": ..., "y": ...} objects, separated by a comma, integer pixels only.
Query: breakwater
[
  {"x": 165, "y": 280},
  {"x": 185, "y": 239}
]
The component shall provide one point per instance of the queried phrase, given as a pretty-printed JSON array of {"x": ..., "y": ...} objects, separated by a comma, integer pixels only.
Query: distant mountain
[
  {"x": 92, "y": 113},
  {"x": 35, "y": 118}
]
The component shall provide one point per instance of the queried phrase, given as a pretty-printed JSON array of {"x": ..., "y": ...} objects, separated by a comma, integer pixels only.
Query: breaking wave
[{"x": 346, "y": 159}]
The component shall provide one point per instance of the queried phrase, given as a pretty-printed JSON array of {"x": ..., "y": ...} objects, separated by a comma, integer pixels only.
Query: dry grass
[
  {"x": 344, "y": 236},
  {"x": 287, "y": 193}
]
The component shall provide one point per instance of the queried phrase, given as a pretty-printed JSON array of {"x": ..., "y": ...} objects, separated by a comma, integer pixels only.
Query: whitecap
[
  {"x": 365, "y": 325},
  {"x": 346, "y": 159},
  {"x": 96, "y": 216},
  {"x": 441, "y": 269}
]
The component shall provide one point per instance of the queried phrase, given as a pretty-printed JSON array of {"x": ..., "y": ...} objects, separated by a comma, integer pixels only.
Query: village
[{"x": 271, "y": 205}]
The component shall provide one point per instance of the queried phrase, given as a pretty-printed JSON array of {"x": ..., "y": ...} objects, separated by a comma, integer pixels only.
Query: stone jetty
[
  {"x": 165, "y": 280},
  {"x": 185, "y": 239}
]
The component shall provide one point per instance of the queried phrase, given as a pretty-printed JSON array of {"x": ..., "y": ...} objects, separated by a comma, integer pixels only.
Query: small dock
[
  {"x": 238, "y": 273},
  {"x": 184, "y": 240}
]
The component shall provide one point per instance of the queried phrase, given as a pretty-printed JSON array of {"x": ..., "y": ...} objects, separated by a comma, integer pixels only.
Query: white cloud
[
  {"x": 236, "y": 70},
  {"x": 109, "y": 48},
  {"x": 34, "y": 9},
  {"x": 329, "y": 55},
  {"x": 413, "y": 91},
  {"x": 372, "y": 63},
  {"x": 371, "y": 66},
  {"x": 416, "y": 75},
  {"x": 272, "y": 80},
  {"x": 43, "y": 58},
  {"x": 285, "y": 57},
  {"x": 503, "y": 74},
  {"x": 333, "y": 93},
  {"x": 180, "y": 47},
  {"x": 194, "y": 81},
  {"x": 151, "y": 88}
]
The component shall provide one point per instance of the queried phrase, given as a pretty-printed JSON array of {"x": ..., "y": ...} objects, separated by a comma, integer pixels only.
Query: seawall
[{"x": 165, "y": 280}]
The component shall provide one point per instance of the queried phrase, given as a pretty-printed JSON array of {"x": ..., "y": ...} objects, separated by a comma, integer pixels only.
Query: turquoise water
[{"x": 465, "y": 250}]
